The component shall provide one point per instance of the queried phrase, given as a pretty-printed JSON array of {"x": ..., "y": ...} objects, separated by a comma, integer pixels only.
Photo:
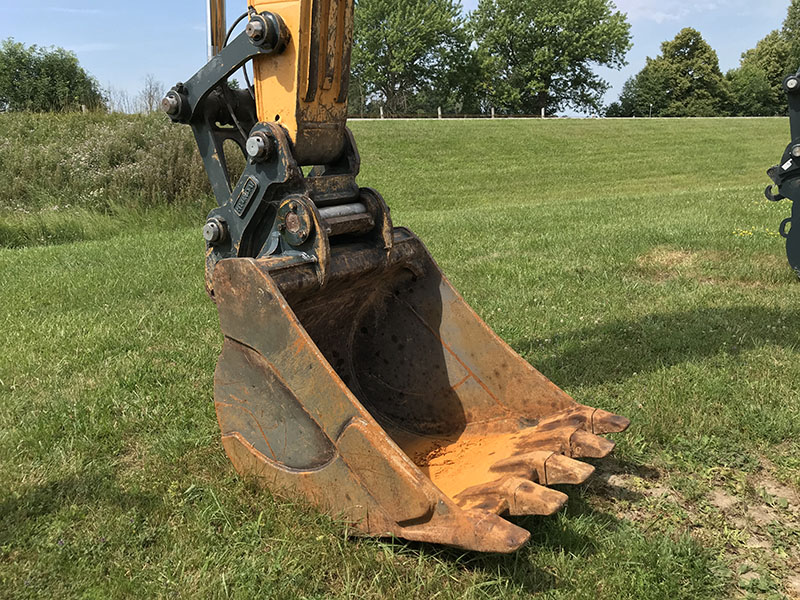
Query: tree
[
  {"x": 44, "y": 79},
  {"x": 409, "y": 55},
  {"x": 645, "y": 94},
  {"x": 752, "y": 91},
  {"x": 791, "y": 35},
  {"x": 683, "y": 81},
  {"x": 756, "y": 85},
  {"x": 151, "y": 94},
  {"x": 540, "y": 54},
  {"x": 119, "y": 100}
]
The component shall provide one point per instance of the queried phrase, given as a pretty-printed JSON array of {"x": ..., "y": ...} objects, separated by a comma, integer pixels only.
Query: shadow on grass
[
  {"x": 616, "y": 351},
  {"x": 22, "y": 510}
]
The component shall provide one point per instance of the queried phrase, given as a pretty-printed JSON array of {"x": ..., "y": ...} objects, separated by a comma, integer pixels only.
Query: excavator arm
[
  {"x": 352, "y": 373},
  {"x": 294, "y": 116},
  {"x": 786, "y": 175}
]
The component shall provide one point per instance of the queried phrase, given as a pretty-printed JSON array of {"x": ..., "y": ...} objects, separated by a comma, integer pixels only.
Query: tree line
[
  {"x": 414, "y": 56},
  {"x": 513, "y": 57},
  {"x": 685, "y": 80},
  {"x": 50, "y": 79}
]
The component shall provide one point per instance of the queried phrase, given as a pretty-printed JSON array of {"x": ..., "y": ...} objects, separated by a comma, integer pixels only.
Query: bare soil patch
[
  {"x": 711, "y": 267},
  {"x": 755, "y": 523}
]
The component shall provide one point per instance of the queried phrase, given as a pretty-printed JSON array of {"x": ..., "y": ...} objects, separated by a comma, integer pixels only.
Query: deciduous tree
[
  {"x": 409, "y": 55},
  {"x": 791, "y": 34},
  {"x": 44, "y": 79},
  {"x": 683, "y": 81},
  {"x": 153, "y": 91},
  {"x": 541, "y": 54}
]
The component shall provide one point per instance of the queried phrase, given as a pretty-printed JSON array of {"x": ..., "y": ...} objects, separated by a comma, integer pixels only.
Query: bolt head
[
  {"x": 257, "y": 146},
  {"x": 214, "y": 231},
  {"x": 293, "y": 224},
  {"x": 255, "y": 29},
  {"x": 795, "y": 151},
  {"x": 792, "y": 83},
  {"x": 171, "y": 104}
]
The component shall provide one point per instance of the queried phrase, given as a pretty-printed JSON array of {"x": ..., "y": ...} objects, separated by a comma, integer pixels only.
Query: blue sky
[{"x": 121, "y": 42}]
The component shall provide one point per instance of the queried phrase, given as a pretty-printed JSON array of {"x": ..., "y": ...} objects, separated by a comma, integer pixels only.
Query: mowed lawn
[{"x": 634, "y": 262}]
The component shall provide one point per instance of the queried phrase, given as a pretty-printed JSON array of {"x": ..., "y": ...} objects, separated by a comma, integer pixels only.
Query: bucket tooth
[
  {"x": 570, "y": 441},
  {"x": 494, "y": 503},
  {"x": 546, "y": 468},
  {"x": 587, "y": 445},
  {"x": 530, "y": 498},
  {"x": 530, "y": 465},
  {"x": 498, "y": 535},
  {"x": 593, "y": 420},
  {"x": 515, "y": 495},
  {"x": 473, "y": 530},
  {"x": 606, "y": 422},
  {"x": 560, "y": 469}
]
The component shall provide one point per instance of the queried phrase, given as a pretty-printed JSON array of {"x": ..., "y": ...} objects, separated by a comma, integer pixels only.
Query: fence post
[
  {"x": 493, "y": 112},
  {"x": 543, "y": 112},
  {"x": 381, "y": 112},
  {"x": 440, "y": 112}
]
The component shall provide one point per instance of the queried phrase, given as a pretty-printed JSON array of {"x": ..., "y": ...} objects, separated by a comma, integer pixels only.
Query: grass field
[{"x": 633, "y": 262}]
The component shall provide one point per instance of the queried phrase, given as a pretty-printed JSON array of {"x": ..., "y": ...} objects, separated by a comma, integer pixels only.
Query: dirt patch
[
  {"x": 756, "y": 541},
  {"x": 793, "y": 585},
  {"x": 723, "y": 500},
  {"x": 666, "y": 258},
  {"x": 783, "y": 500},
  {"x": 711, "y": 267},
  {"x": 749, "y": 576},
  {"x": 660, "y": 491},
  {"x": 618, "y": 486},
  {"x": 751, "y": 521},
  {"x": 778, "y": 490}
]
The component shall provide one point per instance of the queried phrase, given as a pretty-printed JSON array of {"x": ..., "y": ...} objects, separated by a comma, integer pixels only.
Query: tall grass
[
  {"x": 97, "y": 162},
  {"x": 73, "y": 176}
]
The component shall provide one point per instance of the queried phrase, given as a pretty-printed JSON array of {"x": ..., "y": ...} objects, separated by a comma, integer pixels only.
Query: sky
[{"x": 120, "y": 43}]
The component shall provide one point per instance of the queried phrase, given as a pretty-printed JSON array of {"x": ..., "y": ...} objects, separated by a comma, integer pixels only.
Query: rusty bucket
[{"x": 385, "y": 400}]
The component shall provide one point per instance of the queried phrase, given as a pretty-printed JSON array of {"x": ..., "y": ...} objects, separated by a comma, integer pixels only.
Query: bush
[{"x": 44, "y": 79}]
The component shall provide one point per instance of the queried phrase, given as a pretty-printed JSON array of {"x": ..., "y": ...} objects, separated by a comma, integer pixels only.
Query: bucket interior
[{"x": 383, "y": 334}]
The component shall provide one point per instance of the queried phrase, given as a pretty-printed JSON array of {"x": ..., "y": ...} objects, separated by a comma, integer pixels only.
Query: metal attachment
[
  {"x": 295, "y": 221},
  {"x": 255, "y": 29},
  {"x": 792, "y": 83},
  {"x": 782, "y": 229},
  {"x": 215, "y": 231},
  {"x": 171, "y": 104},
  {"x": 352, "y": 373},
  {"x": 268, "y": 30},
  {"x": 796, "y": 151},
  {"x": 258, "y": 146}
]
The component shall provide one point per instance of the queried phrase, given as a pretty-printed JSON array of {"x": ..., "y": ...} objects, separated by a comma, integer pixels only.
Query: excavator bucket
[
  {"x": 352, "y": 373},
  {"x": 383, "y": 398}
]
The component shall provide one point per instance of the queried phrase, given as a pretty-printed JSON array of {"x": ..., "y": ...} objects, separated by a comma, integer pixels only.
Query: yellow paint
[{"x": 306, "y": 103}]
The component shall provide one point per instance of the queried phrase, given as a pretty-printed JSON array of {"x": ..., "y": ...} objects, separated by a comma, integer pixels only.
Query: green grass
[{"x": 633, "y": 262}]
